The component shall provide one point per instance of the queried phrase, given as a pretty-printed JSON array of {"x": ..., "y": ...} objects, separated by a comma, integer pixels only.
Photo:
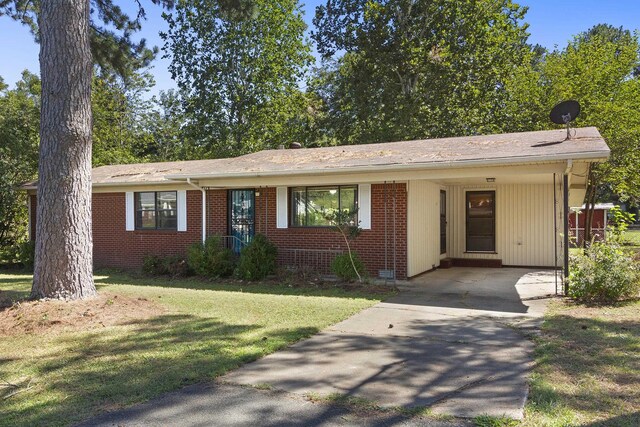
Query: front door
[
  {"x": 241, "y": 217},
  {"x": 443, "y": 222}
]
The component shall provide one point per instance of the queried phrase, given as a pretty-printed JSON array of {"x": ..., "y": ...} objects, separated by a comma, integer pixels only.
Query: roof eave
[{"x": 592, "y": 156}]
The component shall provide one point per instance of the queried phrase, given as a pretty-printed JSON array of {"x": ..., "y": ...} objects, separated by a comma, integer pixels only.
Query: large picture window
[
  {"x": 156, "y": 210},
  {"x": 309, "y": 205},
  {"x": 481, "y": 221}
]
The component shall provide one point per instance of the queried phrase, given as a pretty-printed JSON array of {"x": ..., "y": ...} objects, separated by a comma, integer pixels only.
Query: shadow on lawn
[
  {"x": 8, "y": 298},
  {"x": 273, "y": 287},
  {"x": 602, "y": 355},
  {"x": 109, "y": 369},
  {"x": 626, "y": 420}
]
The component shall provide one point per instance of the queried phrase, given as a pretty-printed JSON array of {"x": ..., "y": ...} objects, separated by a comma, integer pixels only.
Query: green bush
[
  {"x": 604, "y": 273},
  {"x": 211, "y": 259},
  {"x": 154, "y": 265},
  {"x": 27, "y": 254},
  {"x": 342, "y": 267},
  {"x": 258, "y": 259},
  {"x": 176, "y": 266}
]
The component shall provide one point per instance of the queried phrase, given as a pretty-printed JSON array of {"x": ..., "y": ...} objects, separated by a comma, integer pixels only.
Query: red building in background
[{"x": 577, "y": 218}]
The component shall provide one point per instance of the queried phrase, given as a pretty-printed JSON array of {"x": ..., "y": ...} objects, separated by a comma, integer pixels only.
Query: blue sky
[{"x": 551, "y": 23}]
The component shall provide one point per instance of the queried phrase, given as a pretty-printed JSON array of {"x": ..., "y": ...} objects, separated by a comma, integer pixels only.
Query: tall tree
[
  {"x": 119, "y": 110},
  {"x": 64, "y": 262},
  {"x": 165, "y": 124},
  {"x": 417, "y": 68},
  {"x": 67, "y": 35},
  {"x": 239, "y": 71},
  {"x": 19, "y": 120},
  {"x": 599, "y": 69}
]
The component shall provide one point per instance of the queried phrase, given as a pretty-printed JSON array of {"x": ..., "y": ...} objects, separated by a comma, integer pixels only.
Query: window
[
  {"x": 156, "y": 210},
  {"x": 481, "y": 221},
  {"x": 309, "y": 205}
]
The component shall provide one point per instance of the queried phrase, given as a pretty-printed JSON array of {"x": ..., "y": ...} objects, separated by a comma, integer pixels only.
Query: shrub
[
  {"x": 604, "y": 273},
  {"x": 154, "y": 265},
  {"x": 27, "y": 254},
  {"x": 343, "y": 268},
  {"x": 258, "y": 259},
  {"x": 211, "y": 259},
  {"x": 176, "y": 266}
]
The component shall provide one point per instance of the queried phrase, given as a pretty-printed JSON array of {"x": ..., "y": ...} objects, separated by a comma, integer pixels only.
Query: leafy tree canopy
[
  {"x": 410, "y": 69},
  {"x": 239, "y": 72},
  {"x": 19, "y": 118},
  {"x": 112, "y": 45}
]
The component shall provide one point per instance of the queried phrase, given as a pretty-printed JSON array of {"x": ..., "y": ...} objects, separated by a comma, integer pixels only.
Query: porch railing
[{"x": 233, "y": 243}]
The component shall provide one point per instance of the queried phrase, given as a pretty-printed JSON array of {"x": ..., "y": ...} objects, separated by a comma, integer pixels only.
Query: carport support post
[{"x": 565, "y": 222}]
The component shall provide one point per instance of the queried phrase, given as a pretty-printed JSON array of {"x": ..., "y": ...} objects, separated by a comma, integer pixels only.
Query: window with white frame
[
  {"x": 156, "y": 210},
  {"x": 310, "y": 205}
]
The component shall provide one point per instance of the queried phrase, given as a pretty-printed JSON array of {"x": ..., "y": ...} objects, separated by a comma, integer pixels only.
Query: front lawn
[
  {"x": 632, "y": 239},
  {"x": 587, "y": 367},
  {"x": 60, "y": 362}
]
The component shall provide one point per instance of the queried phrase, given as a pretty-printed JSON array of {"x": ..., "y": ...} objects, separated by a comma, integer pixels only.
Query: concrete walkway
[{"x": 452, "y": 340}]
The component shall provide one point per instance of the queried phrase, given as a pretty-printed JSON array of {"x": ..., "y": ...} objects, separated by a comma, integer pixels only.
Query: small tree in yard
[
  {"x": 344, "y": 221},
  {"x": 606, "y": 272}
]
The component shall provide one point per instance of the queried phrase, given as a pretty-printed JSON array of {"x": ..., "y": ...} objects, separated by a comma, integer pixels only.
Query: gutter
[
  {"x": 591, "y": 155},
  {"x": 204, "y": 208}
]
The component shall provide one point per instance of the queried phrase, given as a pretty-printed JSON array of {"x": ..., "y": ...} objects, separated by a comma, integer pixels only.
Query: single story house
[
  {"x": 487, "y": 200},
  {"x": 578, "y": 217}
]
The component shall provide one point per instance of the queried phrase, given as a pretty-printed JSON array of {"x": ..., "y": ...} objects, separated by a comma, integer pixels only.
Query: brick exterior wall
[
  {"x": 116, "y": 247},
  {"x": 113, "y": 246},
  {"x": 370, "y": 244}
]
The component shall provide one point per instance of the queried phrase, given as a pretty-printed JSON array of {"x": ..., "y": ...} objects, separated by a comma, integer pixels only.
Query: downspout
[
  {"x": 204, "y": 208},
  {"x": 565, "y": 221}
]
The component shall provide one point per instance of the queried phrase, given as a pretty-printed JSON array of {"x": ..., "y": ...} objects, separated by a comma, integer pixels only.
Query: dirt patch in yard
[{"x": 53, "y": 316}]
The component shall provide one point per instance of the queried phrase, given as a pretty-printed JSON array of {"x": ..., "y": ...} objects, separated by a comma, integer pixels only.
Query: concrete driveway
[{"x": 453, "y": 340}]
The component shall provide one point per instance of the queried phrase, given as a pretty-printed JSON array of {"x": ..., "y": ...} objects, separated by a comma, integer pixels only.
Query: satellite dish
[{"x": 564, "y": 113}]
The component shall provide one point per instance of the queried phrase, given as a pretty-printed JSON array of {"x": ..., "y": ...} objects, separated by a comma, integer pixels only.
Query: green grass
[
  {"x": 632, "y": 237},
  {"x": 491, "y": 421},
  {"x": 206, "y": 330},
  {"x": 587, "y": 367}
]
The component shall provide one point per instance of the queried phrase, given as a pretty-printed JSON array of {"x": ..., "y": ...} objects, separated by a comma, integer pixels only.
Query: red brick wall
[
  {"x": 217, "y": 212},
  {"x": 116, "y": 247},
  {"x": 113, "y": 246},
  {"x": 33, "y": 199},
  {"x": 370, "y": 244}
]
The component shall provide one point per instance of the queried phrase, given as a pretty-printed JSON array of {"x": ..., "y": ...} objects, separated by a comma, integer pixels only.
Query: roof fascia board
[
  {"x": 594, "y": 156},
  {"x": 377, "y": 177}
]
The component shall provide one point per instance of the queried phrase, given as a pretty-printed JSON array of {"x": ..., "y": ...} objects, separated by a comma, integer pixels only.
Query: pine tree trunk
[{"x": 64, "y": 247}]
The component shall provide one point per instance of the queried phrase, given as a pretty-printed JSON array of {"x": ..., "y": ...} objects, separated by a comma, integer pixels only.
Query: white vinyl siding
[
  {"x": 282, "y": 197},
  {"x": 524, "y": 224},
  {"x": 364, "y": 206},
  {"x": 423, "y": 226}
]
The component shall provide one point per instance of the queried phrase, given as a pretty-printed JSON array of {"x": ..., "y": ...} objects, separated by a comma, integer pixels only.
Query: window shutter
[
  {"x": 130, "y": 211},
  {"x": 182, "y": 210},
  {"x": 282, "y": 197},
  {"x": 364, "y": 206}
]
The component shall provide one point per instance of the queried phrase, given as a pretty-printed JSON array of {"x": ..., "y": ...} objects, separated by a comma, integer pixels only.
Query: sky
[{"x": 552, "y": 23}]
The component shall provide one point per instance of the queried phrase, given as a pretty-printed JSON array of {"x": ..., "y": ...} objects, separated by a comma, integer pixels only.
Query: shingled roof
[{"x": 481, "y": 150}]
